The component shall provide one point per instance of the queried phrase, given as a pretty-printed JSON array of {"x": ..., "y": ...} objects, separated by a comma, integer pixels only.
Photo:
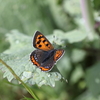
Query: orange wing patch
[
  {"x": 44, "y": 69},
  {"x": 34, "y": 61},
  {"x": 58, "y": 54},
  {"x": 41, "y": 42}
]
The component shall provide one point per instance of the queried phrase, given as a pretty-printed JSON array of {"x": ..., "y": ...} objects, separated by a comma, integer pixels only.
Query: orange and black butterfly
[{"x": 45, "y": 56}]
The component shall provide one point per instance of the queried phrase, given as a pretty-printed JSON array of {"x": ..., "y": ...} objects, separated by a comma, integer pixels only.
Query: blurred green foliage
[{"x": 62, "y": 19}]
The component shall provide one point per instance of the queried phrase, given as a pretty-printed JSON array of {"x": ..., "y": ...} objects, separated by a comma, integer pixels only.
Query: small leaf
[
  {"x": 77, "y": 74},
  {"x": 71, "y": 37},
  {"x": 76, "y": 55}
]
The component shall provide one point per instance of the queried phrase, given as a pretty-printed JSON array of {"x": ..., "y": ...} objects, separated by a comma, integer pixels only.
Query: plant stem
[
  {"x": 87, "y": 13},
  {"x": 27, "y": 88}
]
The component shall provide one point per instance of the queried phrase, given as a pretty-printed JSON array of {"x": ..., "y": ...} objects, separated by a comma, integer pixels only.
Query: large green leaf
[
  {"x": 71, "y": 37},
  {"x": 93, "y": 79},
  {"x": 18, "y": 58}
]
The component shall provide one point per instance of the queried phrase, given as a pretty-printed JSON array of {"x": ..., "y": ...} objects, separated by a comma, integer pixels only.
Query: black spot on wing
[
  {"x": 40, "y": 37},
  {"x": 44, "y": 41},
  {"x": 40, "y": 46},
  {"x": 39, "y": 42},
  {"x": 47, "y": 44}
]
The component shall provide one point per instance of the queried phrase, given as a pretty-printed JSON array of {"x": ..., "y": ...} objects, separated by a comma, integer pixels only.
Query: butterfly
[{"x": 45, "y": 56}]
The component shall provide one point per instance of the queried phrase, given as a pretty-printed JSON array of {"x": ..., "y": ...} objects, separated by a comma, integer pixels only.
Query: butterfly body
[{"x": 45, "y": 56}]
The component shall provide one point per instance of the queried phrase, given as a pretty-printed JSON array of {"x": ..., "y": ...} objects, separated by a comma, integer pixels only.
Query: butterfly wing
[
  {"x": 51, "y": 59},
  {"x": 41, "y": 42},
  {"x": 45, "y": 56},
  {"x": 58, "y": 54},
  {"x": 43, "y": 59},
  {"x": 48, "y": 62},
  {"x": 48, "y": 65},
  {"x": 36, "y": 58}
]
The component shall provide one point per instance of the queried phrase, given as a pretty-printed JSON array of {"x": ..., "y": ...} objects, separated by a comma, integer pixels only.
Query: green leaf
[
  {"x": 93, "y": 79},
  {"x": 25, "y": 98},
  {"x": 77, "y": 74},
  {"x": 18, "y": 58},
  {"x": 61, "y": 19},
  {"x": 71, "y": 37},
  {"x": 69, "y": 5},
  {"x": 76, "y": 55},
  {"x": 87, "y": 96}
]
